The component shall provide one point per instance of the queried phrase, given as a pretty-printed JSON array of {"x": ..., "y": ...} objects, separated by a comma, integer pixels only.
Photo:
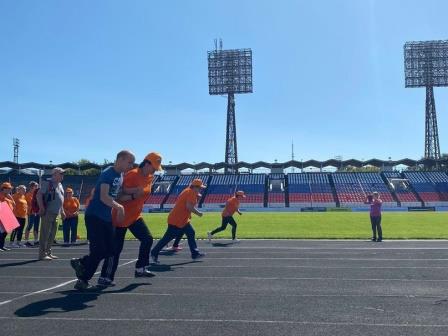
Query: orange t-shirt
[
  {"x": 7, "y": 200},
  {"x": 71, "y": 206},
  {"x": 180, "y": 215},
  {"x": 133, "y": 208},
  {"x": 232, "y": 205},
  {"x": 29, "y": 199},
  {"x": 21, "y": 206}
]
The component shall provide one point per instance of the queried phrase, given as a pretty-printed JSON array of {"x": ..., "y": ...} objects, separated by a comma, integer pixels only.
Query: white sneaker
[
  {"x": 14, "y": 245},
  {"x": 209, "y": 237},
  {"x": 235, "y": 240}
]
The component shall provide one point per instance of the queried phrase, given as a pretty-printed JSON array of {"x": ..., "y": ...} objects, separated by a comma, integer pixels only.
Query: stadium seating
[
  {"x": 253, "y": 186},
  {"x": 352, "y": 189},
  {"x": 426, "y": 188},
  {"x": 310, "y": 190},
  {"x": 162, "y": 185},
  {"x": 404, "y": 195},
  {"x": 219, "y": 190},
  {"x": 276, "y": 190},
  {"x": 182, "y": 183}
]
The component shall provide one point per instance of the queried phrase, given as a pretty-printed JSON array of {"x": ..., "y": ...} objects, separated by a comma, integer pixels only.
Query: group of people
[
  {"x": 116, "y": 206},
  {"x": 36, "y": 211}
]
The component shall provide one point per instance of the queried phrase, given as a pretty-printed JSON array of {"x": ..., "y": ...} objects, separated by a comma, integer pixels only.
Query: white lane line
[
  {"x": 85, "y": 319},
  {"x": 248, "y": 294},
  {"x": 232, "y": 277},
  {"x": 271, "y": 266},
  {"x": 53, "y": 287},
  {"x": 269, "y": 258},
  {"x": 41, "y": 261}
]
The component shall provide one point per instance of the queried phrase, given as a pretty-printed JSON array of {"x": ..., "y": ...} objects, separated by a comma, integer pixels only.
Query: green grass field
[{"x": 324, "y": 225}]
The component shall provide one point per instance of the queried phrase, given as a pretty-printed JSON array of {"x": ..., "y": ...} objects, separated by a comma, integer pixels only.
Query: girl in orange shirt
[
  {"x": 21, "y": 212},
  {"x": 70, "y": 222}
]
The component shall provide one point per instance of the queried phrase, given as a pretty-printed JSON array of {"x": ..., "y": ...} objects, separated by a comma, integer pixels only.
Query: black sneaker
[
  {"x": 78, "y": 267},
  {"x": 374, "y": 239},
  {"x": 104, "y": 283},
  {"x": 198, "y": 255},
  {"x": 154, "y": 260},
  {"x": 379, "y": 240},
  {"x": 28, "y": 244},
  {"x": 82, "y": 285},
  {"x": 146, "y": 273}
]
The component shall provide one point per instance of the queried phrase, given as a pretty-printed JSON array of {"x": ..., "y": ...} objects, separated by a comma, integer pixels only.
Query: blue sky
[{"x": 84, "y": 79}]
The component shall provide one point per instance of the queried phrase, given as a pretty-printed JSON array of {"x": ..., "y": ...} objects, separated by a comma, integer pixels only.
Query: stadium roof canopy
[{"x": 241, "y": 165}]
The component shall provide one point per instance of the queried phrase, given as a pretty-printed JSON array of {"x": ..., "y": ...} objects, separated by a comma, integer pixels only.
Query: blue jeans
[
  {"x": 70, "y": 225},
  {"x": 173, "y": 232}
]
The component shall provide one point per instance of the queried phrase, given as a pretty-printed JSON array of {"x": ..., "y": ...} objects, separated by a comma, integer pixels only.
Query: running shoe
[
  {"x": 198, "y": 255},
  {"x": 146, "y": 273},
  {"x": 155, "y": 260},
  {"x": 235, "y": 241},
  {"x": 78, "y": 267},
  {"x": 209, "y": 237},
  {"x": 104, "y": 283},
  {"x": 82, "y": 285}
]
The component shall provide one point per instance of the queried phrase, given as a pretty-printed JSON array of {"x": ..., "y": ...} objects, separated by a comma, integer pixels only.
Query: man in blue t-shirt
[{"x": 98, "y": 218}]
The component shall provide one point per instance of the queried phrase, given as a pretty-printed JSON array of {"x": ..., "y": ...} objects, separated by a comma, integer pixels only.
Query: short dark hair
[
  {"x": 124, "y": 153},
  {"x": 33, "y": 183}
]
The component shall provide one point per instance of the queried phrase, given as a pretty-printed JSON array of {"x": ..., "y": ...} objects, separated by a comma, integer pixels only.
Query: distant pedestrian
[
  {"x": 375, "y": 216},
  {"x": 21, "y": 212},
  {"x": 33, "y": 214},
  {"x": 70, "y": 223},
  {"x": 50, "y": 199}
]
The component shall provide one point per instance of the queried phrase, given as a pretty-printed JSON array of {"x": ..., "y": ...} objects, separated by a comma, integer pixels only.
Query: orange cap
[
  {"x": 69, "y": 190},
  {"x": 155, "y": 159},
  {"x": 240, "y": 193},
  {"x": 197, "y": 183},
  {"x": 6, "y": 185}
]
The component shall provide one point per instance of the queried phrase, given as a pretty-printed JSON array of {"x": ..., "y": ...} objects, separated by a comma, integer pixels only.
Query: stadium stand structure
[
  {"x": 276, "y": 190},
  {"x": 161, "y": 188},
  {"x": 182, "y": 183},
  {"x": 406, "y": 197},
  {"x": 220, "y": 188},
  {"x": 352, "y": 189},
  {"x": 254, "y": 186},
  {"x": 310, "y": 190},
  {"x": 429, "y": 186}
]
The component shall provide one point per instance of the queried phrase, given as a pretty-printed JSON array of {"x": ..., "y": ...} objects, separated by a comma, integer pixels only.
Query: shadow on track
[
  {"x": 19, "y": 263},
  {"x": 71, "y": 301},
  {"x": 168, "y": 268}
]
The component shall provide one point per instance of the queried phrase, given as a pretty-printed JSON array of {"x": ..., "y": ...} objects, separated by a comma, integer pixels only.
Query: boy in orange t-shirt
[
  {"x": 179, "y": 221},
  {"x": 137, "y": 184},
  {"x": 232, "y": 206},
  {"x": 5, "y": 196},
  {"x": 70, "y": 222},
  {"x": 21, "y": 212}
]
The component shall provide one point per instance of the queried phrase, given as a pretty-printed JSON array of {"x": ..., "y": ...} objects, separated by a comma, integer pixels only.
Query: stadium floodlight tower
[
  {"x": 230, "y": 72},
  {"x": 426, "y": 65}
]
